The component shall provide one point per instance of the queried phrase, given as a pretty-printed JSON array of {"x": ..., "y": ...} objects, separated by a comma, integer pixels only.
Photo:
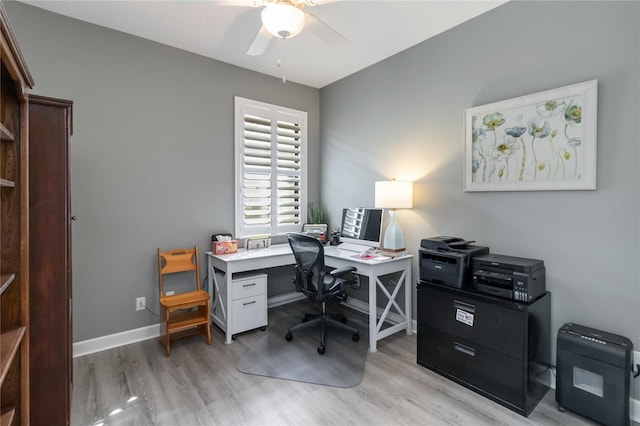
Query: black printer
[
  {"x": 515, "y": 278},
  {"x": 447, "y": 260}
]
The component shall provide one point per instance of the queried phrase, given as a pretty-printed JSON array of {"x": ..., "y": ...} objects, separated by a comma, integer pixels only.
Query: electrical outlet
[
  {"x": 170, "y": 293},
  {"x": 140, "y": 303}
]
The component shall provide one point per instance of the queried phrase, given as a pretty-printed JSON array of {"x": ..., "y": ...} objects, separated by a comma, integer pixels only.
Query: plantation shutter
[{"x": 270, "y": 169}]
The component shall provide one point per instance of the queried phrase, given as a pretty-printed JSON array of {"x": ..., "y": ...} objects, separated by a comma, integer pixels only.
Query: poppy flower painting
[{"x": 543, "y": 141}]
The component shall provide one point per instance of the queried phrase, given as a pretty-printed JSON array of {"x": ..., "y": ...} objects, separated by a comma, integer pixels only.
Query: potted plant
[
  {"x": 315, "y": 222},
  {"x": 315, "y": 214}
]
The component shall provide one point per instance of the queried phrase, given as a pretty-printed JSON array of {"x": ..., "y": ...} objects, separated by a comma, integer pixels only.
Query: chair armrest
[{"x": 338, "y": 272}]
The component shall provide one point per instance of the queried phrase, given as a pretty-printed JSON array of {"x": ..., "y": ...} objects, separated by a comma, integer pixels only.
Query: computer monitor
[{"x": 362, "y": 226}]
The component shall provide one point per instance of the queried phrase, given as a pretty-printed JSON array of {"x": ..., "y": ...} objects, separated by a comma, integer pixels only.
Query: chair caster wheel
[
  {"x": 288, "y": 337},
  {"x": 561, "y": 409},
  {"x": 321, "y": 349},
  {"x": 355, "y": 337}
]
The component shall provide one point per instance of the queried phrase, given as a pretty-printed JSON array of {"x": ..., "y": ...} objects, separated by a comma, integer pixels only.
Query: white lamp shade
[
  {"x": 394, "y": 194},
  {"x": 283, "y": 20}
]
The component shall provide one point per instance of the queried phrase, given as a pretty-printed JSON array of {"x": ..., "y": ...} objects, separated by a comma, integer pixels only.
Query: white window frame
[{"x": 275, "y": 114}]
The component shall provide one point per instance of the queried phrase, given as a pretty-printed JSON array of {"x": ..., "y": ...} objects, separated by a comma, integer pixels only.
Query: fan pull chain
[{"x": 284, "y": 78}]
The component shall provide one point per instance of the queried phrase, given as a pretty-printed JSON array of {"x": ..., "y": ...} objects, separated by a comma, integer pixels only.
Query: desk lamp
[{"x": 392, "y": 195}]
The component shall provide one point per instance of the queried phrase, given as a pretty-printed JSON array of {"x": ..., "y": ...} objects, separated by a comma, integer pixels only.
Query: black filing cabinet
[{"x": 497, "y": 347}]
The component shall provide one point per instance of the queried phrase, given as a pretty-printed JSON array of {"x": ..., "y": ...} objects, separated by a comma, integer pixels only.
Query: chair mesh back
[{"x": 309, "y": 254}]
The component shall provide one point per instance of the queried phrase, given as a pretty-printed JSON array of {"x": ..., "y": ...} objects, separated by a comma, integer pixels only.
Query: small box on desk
[
  {"x": 224, "y": 247},
  {"x": 257, "y": 242}
]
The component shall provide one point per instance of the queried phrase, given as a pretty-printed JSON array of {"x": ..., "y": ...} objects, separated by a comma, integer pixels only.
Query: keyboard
[{"x": 358, "y": 248}]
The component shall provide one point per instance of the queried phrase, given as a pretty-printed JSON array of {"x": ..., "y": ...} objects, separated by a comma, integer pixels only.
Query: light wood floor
[{"x": 200, "y": 385}]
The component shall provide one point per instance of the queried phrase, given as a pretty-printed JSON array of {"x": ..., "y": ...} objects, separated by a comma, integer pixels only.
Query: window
[{"x": 271, "y": 168}]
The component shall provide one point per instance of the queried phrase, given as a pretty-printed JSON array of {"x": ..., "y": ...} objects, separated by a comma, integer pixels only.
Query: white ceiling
[{"x": 215, "y": 29}]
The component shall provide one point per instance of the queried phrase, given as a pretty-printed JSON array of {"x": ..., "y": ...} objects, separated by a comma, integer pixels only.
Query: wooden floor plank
[{"x": 200, "y": 385}]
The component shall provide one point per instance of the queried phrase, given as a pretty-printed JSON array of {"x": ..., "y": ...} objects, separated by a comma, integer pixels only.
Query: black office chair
[{"x": 312, "y": 280}]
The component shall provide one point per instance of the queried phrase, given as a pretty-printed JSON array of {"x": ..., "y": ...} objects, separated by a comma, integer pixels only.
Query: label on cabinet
[{"x": 464, "y": 317}]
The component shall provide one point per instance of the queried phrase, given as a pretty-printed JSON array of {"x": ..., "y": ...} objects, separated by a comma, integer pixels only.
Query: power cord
[
  {"x": 206, "y": 281},
  {"x": 147, "y": 309}
]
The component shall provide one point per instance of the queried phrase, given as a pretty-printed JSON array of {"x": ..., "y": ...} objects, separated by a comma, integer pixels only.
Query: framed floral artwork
[{"x": 542, "y": 141}]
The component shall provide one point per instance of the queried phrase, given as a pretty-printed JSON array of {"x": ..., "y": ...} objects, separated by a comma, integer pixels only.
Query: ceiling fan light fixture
[{"x": 283, "y": 20}]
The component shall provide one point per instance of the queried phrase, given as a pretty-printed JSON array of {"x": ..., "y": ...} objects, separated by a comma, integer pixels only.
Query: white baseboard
[
  {"x": 283, "y": 299},
  {"x": 363, "y": 307},
  {"x": 115, "y": 340}
]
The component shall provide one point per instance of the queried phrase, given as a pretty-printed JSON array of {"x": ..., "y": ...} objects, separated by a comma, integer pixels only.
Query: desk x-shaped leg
[
  {"x": 221, "y": 314},
  {"x": 375, "y": 325}
]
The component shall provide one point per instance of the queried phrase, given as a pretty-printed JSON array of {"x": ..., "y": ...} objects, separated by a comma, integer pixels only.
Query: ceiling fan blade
[
  {"x": 260, "y": 43},
  {"x": 325, "y": 33},
  {"x": 241, "y": 3}
]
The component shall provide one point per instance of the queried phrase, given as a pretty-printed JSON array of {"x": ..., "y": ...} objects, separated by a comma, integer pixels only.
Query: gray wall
[
  {"x": 153, "y": 140},
  {"x": 403, "y": 118},
  {"x": 151, "y": 154}
]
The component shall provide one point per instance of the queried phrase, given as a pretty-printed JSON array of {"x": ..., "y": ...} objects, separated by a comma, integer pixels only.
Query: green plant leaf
[{"x": 315, "y": 214}]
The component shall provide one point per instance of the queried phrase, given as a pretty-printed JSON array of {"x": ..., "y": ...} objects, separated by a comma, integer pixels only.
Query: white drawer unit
[
  {"x": 246, "y": 300},
  {"x": 247, "y": 286}
]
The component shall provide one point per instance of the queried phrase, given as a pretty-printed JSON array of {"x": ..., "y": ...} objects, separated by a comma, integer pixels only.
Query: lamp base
[
  {"x": 393, "y": 253},
  {"x": 393, "y": 238},
  {"x": 394, "y": 250}
]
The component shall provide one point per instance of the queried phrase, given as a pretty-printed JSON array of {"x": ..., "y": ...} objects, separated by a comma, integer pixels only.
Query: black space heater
[{"x": 594, "y": 373}]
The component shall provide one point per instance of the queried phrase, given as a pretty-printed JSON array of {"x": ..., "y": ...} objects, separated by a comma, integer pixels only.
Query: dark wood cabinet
[
  {"x": 497, "y": 347},
  {"x": 50, "y": 261},
  {"x": 14, "y": 231}
]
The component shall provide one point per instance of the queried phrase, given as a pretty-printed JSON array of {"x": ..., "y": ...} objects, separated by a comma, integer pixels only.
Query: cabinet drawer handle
[
  {"x": 464, "y": 349},
  {"x": 248, "y": 285},
  {"x": 249, "y": 303},
  {"x": 464, "y": 306}
]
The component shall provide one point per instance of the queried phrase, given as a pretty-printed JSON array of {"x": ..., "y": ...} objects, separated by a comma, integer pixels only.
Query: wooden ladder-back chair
[{"x": 187, "y": 313}]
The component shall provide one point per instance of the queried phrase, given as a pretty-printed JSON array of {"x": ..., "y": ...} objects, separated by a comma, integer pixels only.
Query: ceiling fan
[{"x": 285, "y": 19}]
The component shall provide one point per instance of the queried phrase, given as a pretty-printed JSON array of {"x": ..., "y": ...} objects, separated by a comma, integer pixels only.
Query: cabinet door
[
  {"x": 499, "y": 327},
  {"x": 249, "y": 286},
  {"x": 249, "y": 313},
  {"x": 50, "y": 261},
  {"x": 487, "y": 371}
]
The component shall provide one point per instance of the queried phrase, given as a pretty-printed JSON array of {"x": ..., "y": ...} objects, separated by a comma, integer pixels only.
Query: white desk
[{"x": 280, "y": 255}]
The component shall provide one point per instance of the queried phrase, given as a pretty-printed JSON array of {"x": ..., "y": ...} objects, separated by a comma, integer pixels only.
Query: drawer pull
[
  {"x": 249, "y": 303},
  {"x": 464, "y": 349},
  {"x": 248, "y": 285},
  {"x": 464, "y": 306}
]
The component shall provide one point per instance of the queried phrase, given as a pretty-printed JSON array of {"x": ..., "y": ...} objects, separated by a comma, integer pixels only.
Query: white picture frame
[{"x": 541, "y": 141}]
